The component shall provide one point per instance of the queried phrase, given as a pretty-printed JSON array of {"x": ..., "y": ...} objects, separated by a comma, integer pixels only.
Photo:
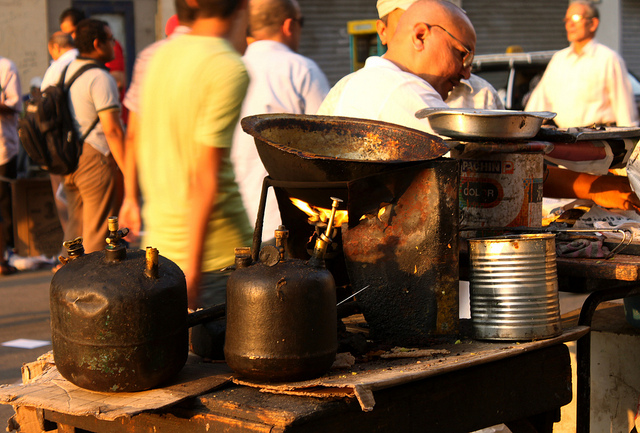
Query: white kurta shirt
[
  {"x": 382, "y": 91},
  {"x": 586, "y": 89},
  {"x": 475, "y": 92},
  {"x": 52, "y": 75},
  {"x": 282, "y": 81}
]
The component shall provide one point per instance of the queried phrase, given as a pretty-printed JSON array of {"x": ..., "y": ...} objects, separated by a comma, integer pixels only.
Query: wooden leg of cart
[{"x": 27, "y": 420}]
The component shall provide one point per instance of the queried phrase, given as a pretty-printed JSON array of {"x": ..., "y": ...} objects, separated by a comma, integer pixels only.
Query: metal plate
[{"x": 467, "y": 123}]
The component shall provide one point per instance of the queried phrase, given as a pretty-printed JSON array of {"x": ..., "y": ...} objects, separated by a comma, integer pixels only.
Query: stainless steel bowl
[{"x": 467, "y": 123}]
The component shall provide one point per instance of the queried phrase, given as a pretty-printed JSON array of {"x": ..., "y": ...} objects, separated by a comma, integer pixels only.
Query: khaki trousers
[{"x": 94, "y": 193}]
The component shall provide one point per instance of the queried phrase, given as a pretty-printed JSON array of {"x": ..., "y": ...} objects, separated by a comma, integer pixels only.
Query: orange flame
[{"x": 320, "y": 214}]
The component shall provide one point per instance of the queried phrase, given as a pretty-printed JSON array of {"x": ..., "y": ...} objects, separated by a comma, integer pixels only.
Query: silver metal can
[{"x": 514, "y": 287}]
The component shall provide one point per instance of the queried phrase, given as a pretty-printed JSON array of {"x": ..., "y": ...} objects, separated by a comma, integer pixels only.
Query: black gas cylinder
[
  {"x": 281, "y": 316},
  {"x": 118, "y": 318}
]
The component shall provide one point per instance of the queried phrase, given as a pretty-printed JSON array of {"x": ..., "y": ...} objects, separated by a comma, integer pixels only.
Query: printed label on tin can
[{"x": 501, "y": 190}]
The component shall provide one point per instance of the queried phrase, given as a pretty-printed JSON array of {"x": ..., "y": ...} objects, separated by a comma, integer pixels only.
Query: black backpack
[{"x": 47, "y": 132}]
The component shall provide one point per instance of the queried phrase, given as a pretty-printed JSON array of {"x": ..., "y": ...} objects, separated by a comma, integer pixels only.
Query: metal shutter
[
  {"x": 498, "y": 23},
  {"x": 631, "y": 35},
  {"x": 325, "y": 38},
  {"x": 534, "y": 25}
]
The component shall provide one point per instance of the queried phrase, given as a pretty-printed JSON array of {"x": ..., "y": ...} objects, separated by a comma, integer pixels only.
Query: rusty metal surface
[
  {"x": 326, "y": 148},
  {"x": 113, "y": 328},
  {"x": 479, "y": 149},
  {"x": 409, "y": 254}
]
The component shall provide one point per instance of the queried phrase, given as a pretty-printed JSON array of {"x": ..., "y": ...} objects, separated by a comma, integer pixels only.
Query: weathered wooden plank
[
  {"x": 278, "y": 410},
  {"x": 621, "y": 267},
  {"x": 529, "y": 384},
  {"x": 162, "y": 423},
  {"x": 365, "y": 378},
  {"x": 514, "y": 388},
  {"x": 65, "y": 428},
  {"x": 51, "y": 391},
  {"x": 28, "y": 419},
  {"x": 532, "y": 383}
]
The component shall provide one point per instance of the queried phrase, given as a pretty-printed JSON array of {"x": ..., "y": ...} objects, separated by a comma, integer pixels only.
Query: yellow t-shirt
[{"x": 191, "y": 97}]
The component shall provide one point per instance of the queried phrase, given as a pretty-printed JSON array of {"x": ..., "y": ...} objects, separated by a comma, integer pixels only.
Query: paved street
[{"x": 24, "y": 313}]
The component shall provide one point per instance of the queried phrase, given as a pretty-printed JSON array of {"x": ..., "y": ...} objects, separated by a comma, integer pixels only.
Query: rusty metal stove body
[{"x": 402, "y": 235}]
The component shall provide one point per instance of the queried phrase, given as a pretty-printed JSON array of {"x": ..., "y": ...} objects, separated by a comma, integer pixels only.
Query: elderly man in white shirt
[
  {"x": 587, "y": 83},
  {"x": 475, "y": 92}
]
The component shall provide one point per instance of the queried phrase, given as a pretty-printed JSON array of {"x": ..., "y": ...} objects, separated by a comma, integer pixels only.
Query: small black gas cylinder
[
  {"x": 281, "y": 314},
  {"x": 118, "y": 317}
]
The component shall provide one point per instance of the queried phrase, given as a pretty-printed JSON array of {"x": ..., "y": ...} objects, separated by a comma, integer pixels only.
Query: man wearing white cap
[
  {"x": 389, "y": 12},
  {"x": 474, "y": 92},
  {"x": 430, "y": 52}
]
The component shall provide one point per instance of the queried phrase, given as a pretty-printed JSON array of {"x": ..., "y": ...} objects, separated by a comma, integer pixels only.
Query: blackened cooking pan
[{"x": 305, "y": 148}]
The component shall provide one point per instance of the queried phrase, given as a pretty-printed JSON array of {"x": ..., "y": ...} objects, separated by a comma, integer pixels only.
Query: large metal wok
[
  {"x": 473, "y": 124},
  {"x": 302, "y": 148}
]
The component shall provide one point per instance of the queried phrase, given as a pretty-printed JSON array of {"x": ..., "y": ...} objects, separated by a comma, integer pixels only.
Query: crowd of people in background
[{"x": 181, "y": 172}]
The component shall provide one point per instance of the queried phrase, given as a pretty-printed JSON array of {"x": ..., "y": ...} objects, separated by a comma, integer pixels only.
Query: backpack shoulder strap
[
  {"x": 67, "y": 86},
  {"x": 79, "y": 72},
  {"x": 62, "y": 76}
]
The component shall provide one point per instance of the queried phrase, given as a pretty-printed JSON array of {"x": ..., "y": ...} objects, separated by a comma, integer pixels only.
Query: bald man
[
  {"x": 430, "y": 52},
  {"x": 474, "y": 92},
  {"x": 63, "y": 51}
]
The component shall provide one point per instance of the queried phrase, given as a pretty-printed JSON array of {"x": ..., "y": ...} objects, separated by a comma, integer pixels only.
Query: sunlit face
[
  {"x": 107, "y": 48},
  {"x": 443, "y": 59},
  {"x": 54, "y": 51},
  {"x": 579, "y": 26},
  {"x": 68, "y": 27}
]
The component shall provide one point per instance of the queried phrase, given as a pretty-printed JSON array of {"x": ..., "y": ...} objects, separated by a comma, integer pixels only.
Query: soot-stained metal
[{"x": 406, "y": 249}]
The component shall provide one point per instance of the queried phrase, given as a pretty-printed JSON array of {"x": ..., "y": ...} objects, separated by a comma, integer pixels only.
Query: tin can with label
[{"x": 501, "y": 190}]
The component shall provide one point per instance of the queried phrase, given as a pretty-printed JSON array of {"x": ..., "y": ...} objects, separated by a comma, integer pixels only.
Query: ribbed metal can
[{"x": 514, "y": 287}]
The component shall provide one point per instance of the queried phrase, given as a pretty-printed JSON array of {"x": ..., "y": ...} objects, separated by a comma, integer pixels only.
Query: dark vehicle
[{"x": 515, "y": 75}]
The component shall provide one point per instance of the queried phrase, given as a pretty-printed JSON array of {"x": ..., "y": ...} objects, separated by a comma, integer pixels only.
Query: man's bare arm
[
  {"x": 606, "y": 191},
  {"x": 113, "y": 132},
  {"x": 203, "y": 190}
]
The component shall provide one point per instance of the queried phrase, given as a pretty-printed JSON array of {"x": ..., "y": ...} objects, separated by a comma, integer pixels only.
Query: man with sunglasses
[
  {"x": 587, "y": 83},
  {"x": 430, "y": 52},
  {"x": 474, "y": 92}
]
